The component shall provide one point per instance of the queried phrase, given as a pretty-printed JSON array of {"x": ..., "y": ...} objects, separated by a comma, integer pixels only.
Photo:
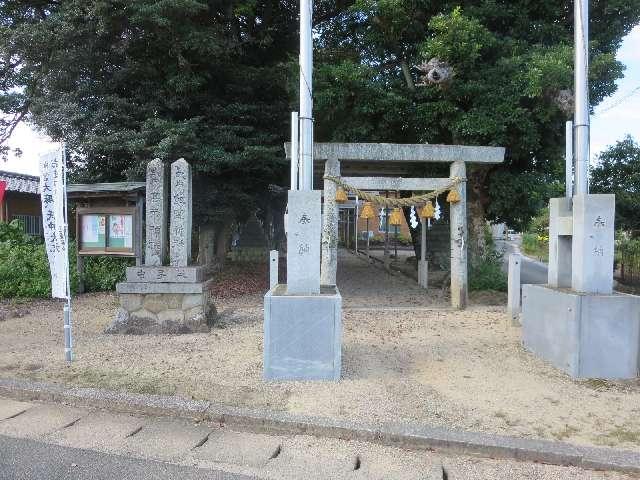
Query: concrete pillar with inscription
[
  {"x": 593, "y": 243},
  {"x": 458, "y": 225},
  {"x": 303, "y": 248},
  {"x": 181, "y": 214},
  {"x": 156, "y": 217},
  {"x": 329, "y": 267}
]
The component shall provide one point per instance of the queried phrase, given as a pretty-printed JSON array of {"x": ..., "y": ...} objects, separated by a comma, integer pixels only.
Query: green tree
[
  {"x": 512, "y": 61},
  {"x": 125, "y": 81},
  {"x": 617, "y": 171}
]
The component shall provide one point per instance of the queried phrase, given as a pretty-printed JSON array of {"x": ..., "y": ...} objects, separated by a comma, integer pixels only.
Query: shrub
[
  {"x": 485, "y": 273},
  {"x": 24, "y": 266},
  {"x": 102, "y": 273}
]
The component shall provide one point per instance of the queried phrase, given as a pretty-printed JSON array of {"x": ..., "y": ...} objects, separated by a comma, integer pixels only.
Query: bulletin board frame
[{"x": 108, "y": 231}]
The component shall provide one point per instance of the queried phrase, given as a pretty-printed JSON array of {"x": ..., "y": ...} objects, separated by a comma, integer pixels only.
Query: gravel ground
[{"x": 463, "y": 370}]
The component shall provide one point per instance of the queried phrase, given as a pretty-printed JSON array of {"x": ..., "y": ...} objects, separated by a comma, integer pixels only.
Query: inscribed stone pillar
[
  {"x": 156, "y": 220},
  {"x": 593, "y": 243},
  {"x": 303, "y": 242},
  {"x": 458, "y": 225},
  {"x": 180, "y": 229},
  {"x": 329, "y": 266}
]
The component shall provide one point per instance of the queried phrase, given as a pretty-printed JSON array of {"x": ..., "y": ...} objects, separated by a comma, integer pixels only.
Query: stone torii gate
[{"x": 386, "y": 158}]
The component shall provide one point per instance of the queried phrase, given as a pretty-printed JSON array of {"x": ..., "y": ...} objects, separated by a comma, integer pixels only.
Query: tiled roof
[
  {"x": 17, "y": 182},
  {"x": 115, "y": 187}
]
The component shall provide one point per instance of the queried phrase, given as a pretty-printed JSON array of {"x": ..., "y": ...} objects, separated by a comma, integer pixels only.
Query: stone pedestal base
[
  {"x": 163, "y": 308},
  {"x": 585, "y": 335},
  {"x": 302, "y": 335}
]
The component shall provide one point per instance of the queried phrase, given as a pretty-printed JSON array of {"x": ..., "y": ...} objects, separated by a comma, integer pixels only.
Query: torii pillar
[{"x": 458, "y": 225}]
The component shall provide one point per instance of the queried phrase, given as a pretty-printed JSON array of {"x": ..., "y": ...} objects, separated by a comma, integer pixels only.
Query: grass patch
[
  {"x": 566, "y": 432},
  {"x": 619, "y": 435},
  {"x": 536, "y": 246},
  {"x": 133, "y": 382}
]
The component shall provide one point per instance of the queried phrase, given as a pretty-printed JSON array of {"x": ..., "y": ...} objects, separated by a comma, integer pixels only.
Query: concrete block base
[
  {"x": 302, "y": 335},
  {"x": 585, "y": 335},
  {"x": 163, "y": 308}
]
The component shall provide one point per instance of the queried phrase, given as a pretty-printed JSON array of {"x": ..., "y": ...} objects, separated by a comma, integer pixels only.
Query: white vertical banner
[{"x": 52, "y": 191}]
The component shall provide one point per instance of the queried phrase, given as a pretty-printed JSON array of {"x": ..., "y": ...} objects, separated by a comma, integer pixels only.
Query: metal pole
[
  {"x": 294, "y": 150},
  {"x": 68, "y": 337},
  {"x": 568, "y": 160},
  {"x": 581, "y": 87},
  {"x": 306, "y": 94}
]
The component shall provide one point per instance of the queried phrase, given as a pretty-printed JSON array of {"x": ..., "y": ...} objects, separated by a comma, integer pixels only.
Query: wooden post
[
  {"x": 422, "y": 263},
  {"x": 355, "y": 223},
  {"x": 368, "y": 254},
  {"x": 330, "y": 213},
  {"x": 458, "y": 225},
  {"x": 80, "y": 269},
  {"x": 387, "y": 260},
  {"x": 348, "y": 225}
]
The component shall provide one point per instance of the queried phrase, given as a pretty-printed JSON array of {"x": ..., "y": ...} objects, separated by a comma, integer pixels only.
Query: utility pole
[
  {"x": 306, "y": 94},
  {"x": 581, "y": 96}
]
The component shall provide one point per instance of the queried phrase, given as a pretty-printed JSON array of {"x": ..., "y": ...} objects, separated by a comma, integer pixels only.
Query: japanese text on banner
[{"x": 53, "y": 211}]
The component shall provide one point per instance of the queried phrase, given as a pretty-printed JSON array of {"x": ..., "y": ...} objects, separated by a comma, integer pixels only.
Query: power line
[{"x": 620, "y": 100}]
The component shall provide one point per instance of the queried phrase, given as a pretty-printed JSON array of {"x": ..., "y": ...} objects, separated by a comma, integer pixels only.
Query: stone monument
[
  {"x": 577, "y": 322},
  {"x": 156, "y": 218},
  {"x": 166, "y": 299}
]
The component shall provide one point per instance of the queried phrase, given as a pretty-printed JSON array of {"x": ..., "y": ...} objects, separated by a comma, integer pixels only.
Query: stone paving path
[{"x": 186, "y": 443}]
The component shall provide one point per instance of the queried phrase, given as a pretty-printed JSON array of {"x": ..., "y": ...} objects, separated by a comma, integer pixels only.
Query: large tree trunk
[
  {"x": 206, "y": 244},
  {"x": 223, "y": 234},
  {"x": 477, "y": 201}
]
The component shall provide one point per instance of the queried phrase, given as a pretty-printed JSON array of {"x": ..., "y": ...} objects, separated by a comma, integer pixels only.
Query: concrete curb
[{"x": 413, "y": 436}]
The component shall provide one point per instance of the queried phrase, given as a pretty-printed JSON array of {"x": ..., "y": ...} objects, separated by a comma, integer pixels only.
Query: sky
[{"x": 615, "y": 117}]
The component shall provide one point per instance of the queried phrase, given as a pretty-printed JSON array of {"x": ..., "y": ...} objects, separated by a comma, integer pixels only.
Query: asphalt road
[
  {"x": 22, "y": 459},
  {"x": 531, "y": 271}
]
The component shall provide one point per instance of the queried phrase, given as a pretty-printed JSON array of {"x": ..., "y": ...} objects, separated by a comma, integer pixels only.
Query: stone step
[
  {"x": 238, "y": 448},
  {"x": 11, "y": 408},
  {"x": 40, "y": 420},
  {"x": 166, "y": 439},
  {"x": 98, "y": 431}
]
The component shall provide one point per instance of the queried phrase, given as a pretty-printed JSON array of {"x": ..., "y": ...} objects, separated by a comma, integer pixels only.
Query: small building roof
[
  {"x": 18, "y": 182},
  {"x": 114, "y": 187}
]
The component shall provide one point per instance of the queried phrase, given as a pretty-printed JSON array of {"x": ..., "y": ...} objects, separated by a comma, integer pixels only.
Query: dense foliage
[
  {"x": 123, "y": 81},
  {"x": 510, "y": 61},
  {"x": 618, "y": 171},
  {"x": 24, "y": 267},
  {"x": 126, "y": 81}
]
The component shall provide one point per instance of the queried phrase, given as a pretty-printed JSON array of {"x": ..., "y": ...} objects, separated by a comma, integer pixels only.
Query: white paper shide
[{"x": 53, "y": 219}]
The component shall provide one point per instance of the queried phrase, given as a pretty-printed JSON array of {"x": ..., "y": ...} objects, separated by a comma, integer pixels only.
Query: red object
[{"x": 3, "y": 188}]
